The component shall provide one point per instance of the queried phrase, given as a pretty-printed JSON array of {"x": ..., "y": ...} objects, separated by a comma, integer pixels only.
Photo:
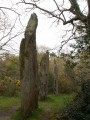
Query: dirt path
[
  {"x": 47, "y": 115},
  {"x": 5, "y": 113}
]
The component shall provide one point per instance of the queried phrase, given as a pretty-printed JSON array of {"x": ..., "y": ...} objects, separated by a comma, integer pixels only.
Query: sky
[{"x": 48, "y": 34}]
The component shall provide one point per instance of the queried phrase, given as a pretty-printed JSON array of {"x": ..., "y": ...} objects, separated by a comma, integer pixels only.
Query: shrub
[
  {"x": 50, "y": 83},
  {"x": 66, "y": 85},
  {"x": 9, "y": 87},
  {"x": 79, "y": 109}
]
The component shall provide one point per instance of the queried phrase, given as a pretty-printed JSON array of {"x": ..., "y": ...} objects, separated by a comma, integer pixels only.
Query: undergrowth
[{"x": 51, "y": 105}]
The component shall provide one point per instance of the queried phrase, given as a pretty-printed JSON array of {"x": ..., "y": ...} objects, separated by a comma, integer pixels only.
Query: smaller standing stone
[
  {"x": 55, "y": 78},
  {"x": 43, "y": 75}
]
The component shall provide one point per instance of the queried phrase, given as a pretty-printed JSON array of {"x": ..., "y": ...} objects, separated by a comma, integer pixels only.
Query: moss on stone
[
  {"x": 29, "y": 69},
  {"x": 22, "y": 57},
  {"x": 32, "y": 25},
  {"x": 26, "y": 54}
]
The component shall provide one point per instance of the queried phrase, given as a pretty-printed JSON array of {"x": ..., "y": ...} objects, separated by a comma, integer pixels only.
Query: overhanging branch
[{"x": 75, "y": 9}]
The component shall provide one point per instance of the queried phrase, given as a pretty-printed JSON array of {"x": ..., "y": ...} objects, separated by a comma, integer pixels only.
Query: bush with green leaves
[
  {"x": 79, "y": 109},
  {"x": 9, "y": 87}
]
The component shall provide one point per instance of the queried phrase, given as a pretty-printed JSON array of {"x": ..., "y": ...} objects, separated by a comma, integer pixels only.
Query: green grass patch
[
  {"x": 55, "y": 102},
  {"x": 34, "y": 116},
  {"x": 52, "y": 104},
  {"x": 16, "y": 116},
  {"x": 9, "y": 101}
]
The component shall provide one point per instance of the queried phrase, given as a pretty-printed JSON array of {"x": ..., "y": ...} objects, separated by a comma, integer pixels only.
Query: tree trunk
[
  {"x": 29, "y": 68},
  {"x": 88, "y": 25},
  {"x": 88, "y": 32}
]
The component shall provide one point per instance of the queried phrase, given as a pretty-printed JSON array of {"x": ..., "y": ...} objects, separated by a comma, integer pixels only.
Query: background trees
[
  {"x": 9, "y": 66},
  {"x": 8, "y": 27},
  {"x": 9, "y": 75}
]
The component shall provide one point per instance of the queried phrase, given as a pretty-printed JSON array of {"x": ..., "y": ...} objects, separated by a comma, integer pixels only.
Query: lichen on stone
[
  {"x": 32, "y": 25},
  {"x": 29, "y": 69},
  {"x": 22, "y": 52}
]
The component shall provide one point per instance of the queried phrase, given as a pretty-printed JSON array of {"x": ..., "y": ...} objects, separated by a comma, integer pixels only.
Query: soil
[
  {"x": 5, "y": 113},
  {"x": 45, "y": 116},
  {"x": 48, "y": 115}
]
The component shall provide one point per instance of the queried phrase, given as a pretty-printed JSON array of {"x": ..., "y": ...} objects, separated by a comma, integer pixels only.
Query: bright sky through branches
[{"x": 47, "y": 34}]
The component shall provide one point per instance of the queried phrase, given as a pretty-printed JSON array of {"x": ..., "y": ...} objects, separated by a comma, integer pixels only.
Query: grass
[
  {"x": 9, "y": 101},
  {"x": 56, "y": 101},
  {"x": 52, "y": 104}
]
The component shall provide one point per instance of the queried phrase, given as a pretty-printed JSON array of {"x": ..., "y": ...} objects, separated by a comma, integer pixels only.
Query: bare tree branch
[
  {"x": 9, "y": 9},
  {"x": 75, "y": 9},
  {"x": 44, "y": 10}
]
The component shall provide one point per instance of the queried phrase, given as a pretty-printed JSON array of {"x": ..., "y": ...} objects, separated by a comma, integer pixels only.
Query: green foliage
[
  {"x": 79, "y": 109},
  {"x": 67, "y": 86},
  {"x": 82, "y": 69},
  {"x": 69, "y": 72},
  {"x": 9, "y": 66},
  {"x": 9, "y": 74},
  {"x": 50, "y": 82},
  {"x": 82, "y": 39},
  {"x": 66, "y": 75},
  {"x": 9, "y": 87},
  {"x": 12, "y": 65},
  {"x": 16, "y": 116}
]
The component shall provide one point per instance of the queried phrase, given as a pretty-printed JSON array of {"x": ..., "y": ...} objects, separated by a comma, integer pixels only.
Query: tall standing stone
[
  {"x": 43, "y": 75},
  {"x": 29, "y": 68},
  {"x": 55, "y": 77}
]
